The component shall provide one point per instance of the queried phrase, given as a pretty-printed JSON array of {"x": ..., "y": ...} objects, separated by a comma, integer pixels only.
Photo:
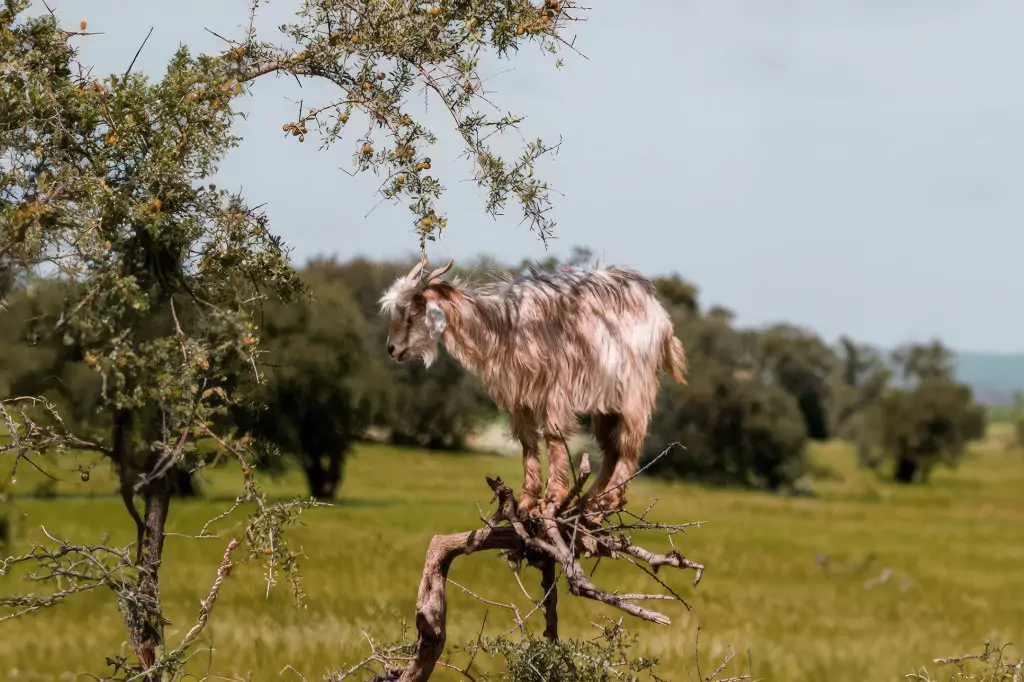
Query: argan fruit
[
  {"x": 381, "y": 76},
  {"x": 302, "y": 138},
  {"x": 354, "y": 39},
  {"x": 400, "y": 179},
  {"x": 112, "y": 139},
  {"x": 426, "y": 222},
  {"x": 343, "y": 118},
  {"x": 82, "y": 24},
  {"x": 520, "y": 31},
  {"x": 85, "y": 474},
  {"x": 367, "y": 149},
  {"x": 434, "y": 11},
  {"x": 301, "y": 57},
  {"x": 367, "y": 85},
  {"x": 156, "y": 204}
]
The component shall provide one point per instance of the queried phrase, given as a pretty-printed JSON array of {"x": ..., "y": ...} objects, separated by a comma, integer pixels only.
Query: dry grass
[{"x": 951, "y": 550}]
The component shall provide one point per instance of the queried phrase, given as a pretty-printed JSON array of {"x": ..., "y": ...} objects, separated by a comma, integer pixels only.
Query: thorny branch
[{"x": 991, "y": 665}]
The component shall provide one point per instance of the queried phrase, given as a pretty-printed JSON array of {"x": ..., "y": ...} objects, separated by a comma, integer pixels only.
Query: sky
[{"x": 852, "y": 166}]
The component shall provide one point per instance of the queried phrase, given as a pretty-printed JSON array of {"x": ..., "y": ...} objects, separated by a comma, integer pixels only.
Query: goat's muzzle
[{"x": 401, "y": 356}]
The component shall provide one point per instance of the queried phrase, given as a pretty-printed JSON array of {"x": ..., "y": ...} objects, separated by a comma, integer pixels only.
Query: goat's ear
[{"x": 436, "y": 321}]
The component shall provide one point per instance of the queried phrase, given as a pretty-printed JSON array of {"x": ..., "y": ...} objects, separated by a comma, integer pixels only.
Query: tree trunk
[
  {"x": 323, "y": 473},
  {"x": 183, "y": 486},
  {"x": 864, "y": 458},
  {"x": 906, "y": 470},
  {"x": 147, "y": 626}
]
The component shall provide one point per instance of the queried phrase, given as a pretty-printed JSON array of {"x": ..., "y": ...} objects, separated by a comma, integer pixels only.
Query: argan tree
[{"x": 105, "y": 182}]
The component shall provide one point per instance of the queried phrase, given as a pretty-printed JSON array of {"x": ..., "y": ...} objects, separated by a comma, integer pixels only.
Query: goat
[{"x": 549, "y": 347}]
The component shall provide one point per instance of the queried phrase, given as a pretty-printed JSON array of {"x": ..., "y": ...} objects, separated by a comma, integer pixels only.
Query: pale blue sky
[{"x": 849, "y": 165}]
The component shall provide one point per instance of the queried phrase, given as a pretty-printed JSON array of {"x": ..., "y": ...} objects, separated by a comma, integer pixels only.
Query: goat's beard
[{"x": 429, "y": 355}]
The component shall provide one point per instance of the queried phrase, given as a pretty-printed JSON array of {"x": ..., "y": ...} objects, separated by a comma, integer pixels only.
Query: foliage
[
  {"x": 601, "y": 659},
  {"x": 993, "y": 664},
  {"x": 929, "y": 425},
  {"x": 929, "y": 420},
  {"x": 105, "y": 182},
  {"x": 322, "y": 384},
  {"x": 800, "y": 363},
  {"x": 737, "y": 424},
  {"x": 378, "y": 53}
]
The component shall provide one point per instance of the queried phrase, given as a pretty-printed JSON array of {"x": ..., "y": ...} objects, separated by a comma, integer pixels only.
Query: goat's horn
[
  {"x": 440, "y": 271},
  {"x": 416, "y": 271}
]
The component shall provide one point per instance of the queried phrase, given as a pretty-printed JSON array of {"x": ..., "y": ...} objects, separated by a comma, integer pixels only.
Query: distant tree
[
  {"x": 855, "y": 391},
  {"x": 678, "y": 294},
  {"x": 737, "y": 425},
  {"x": 322, "y": 386},
  {"x": 919, "y": 362},
  {"x": 929, "y": 425},
  {"x": 930, "y": 420},
  {"x": 801, "y": 363}
]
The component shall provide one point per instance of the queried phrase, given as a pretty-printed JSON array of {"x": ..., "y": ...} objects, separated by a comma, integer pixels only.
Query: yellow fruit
[
  {"x": 157, "y": 204},
  {"x": 82, "y": 24},
  {"x": 343, "y": 118},
  {"x": 367, "y": 85},
  {"x": 520, "y": 31},
  {"x": 434, "y": 11},
  {"x": 367, "y": 149},
  {"x": 112, "y": 139},
  {"x": 354, "y": 39},
  {"x": 302, "y": 138},
  {"x": 400, "y": 179},
  {"x": 381, "y": 76},
  {"x": 426, "y": 222},
  {"x": 301, "y": 57}
]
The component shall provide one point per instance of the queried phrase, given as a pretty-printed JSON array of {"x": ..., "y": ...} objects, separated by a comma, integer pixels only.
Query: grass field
[{"x": 953, "y": 551}]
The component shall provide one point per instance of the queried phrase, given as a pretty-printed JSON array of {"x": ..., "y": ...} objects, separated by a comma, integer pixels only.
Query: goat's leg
[
  {"x": 630, "y": 434},
  {"x": 606, "y": 434},
  {"x": 558, "y": 470},
  {"x": 524, "y": 428}
]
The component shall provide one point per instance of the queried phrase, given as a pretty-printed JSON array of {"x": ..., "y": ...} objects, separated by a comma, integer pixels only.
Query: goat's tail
[{"x": 674, "y": 358}]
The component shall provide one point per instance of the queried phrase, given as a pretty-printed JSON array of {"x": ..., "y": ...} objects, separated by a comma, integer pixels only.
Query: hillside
[{"x": 994, "y": 376}]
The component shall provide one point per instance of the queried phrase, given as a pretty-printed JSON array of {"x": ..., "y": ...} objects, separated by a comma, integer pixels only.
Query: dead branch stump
[{"x": 558, "y": 539}]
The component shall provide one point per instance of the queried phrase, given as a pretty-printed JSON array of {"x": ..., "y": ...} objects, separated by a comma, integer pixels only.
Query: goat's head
[{"x": 416, "y": 320}]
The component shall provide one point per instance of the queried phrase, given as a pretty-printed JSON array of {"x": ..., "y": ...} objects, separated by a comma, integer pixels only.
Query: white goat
[{"x": 547, "y": 348}]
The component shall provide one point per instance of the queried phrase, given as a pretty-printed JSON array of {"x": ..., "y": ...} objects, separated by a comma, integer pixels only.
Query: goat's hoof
[
  {"x": 551, "y": 505},
  {"x": 528, "y": 508},
  {"x": 593, "y": 513}
]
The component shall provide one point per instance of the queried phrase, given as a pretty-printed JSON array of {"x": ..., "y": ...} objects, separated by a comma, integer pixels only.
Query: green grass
[{"x": 953, "y": 548}]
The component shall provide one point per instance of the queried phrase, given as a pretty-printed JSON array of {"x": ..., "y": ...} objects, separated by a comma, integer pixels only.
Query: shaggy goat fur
[{"x": 549, "y": 347}]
